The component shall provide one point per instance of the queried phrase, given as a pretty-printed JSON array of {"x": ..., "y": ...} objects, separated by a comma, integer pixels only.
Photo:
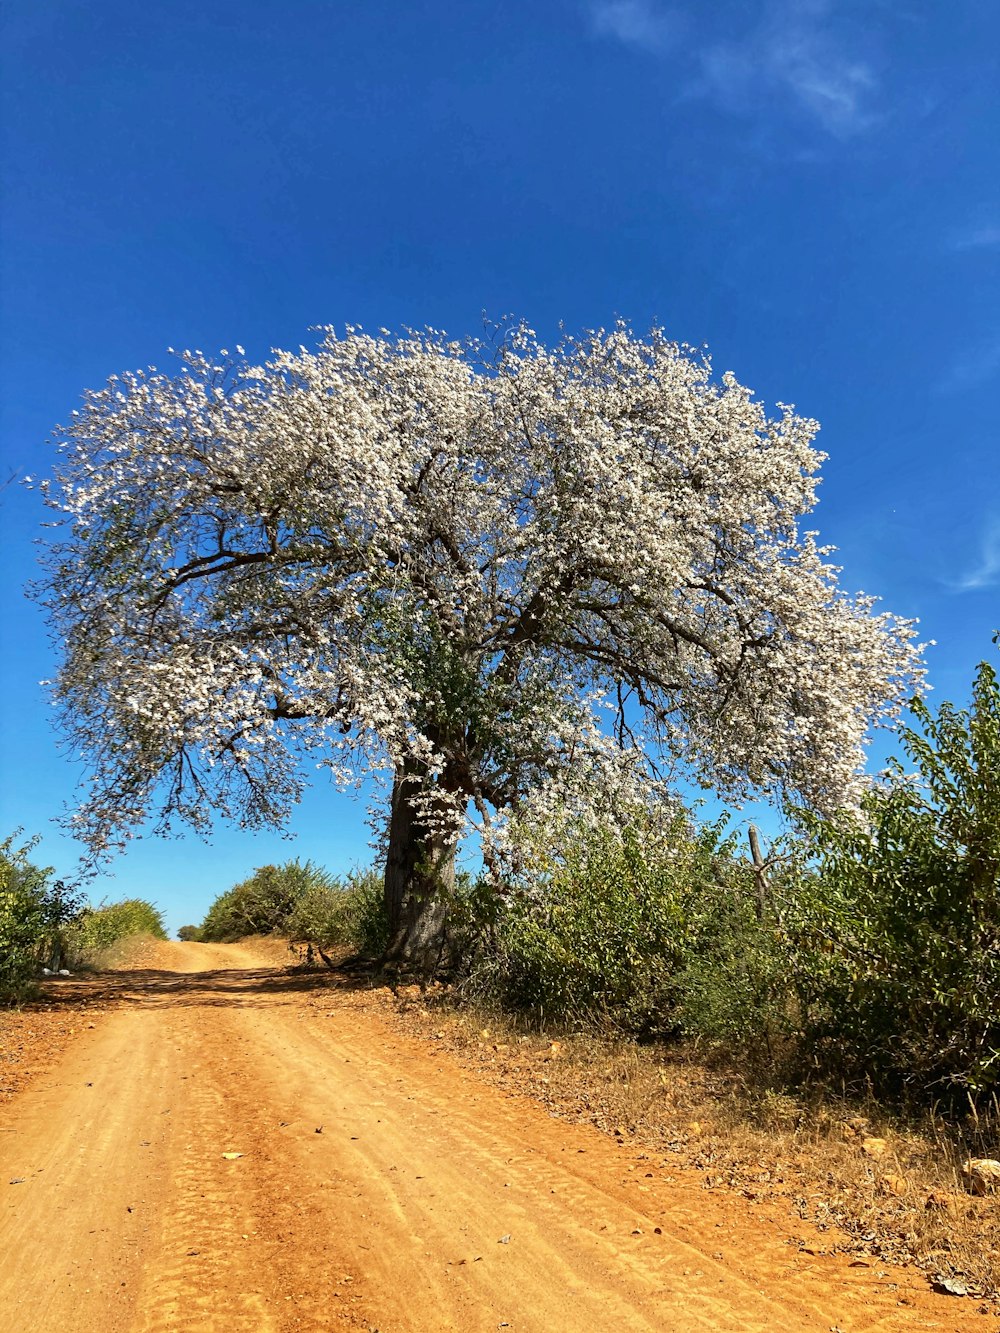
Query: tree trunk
[
  {"x": 419, "y": 880},
  {"x": 759, "y": 873}
]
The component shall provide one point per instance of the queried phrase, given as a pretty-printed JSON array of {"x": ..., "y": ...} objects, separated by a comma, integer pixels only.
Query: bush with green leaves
[
  {"x": 306, "y": 903},
  {"x": 620, "y": 926},
  {"x": 345, "y": 913},
  {"x": 34, "y": 912},
  {"x": 189, "y": 933},
  {"x": 98, "y": 928},
  {"x": 733, "y": 990},
  {"x": 896, "y": 941},
  {"x": 873, "y": 957},
  {"x": 262, "y": 904}
]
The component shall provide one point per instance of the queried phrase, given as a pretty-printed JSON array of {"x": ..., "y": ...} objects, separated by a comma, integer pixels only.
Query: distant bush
[
  {"x": 262, "y": 904},
  {"x": 188, "y": 933},
  {"x": 346, "y": 913},
  {"x": 305, "y": 903},
  {"x": 98, "y": 928},
  {"x": 34, "y": 912}
]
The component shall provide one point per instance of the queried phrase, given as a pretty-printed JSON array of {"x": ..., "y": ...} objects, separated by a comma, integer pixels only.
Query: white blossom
[{"x": 496, "y": 567}]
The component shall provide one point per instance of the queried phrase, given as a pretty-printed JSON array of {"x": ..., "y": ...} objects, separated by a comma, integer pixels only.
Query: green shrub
[
  {"x": 307, "y": 904},
  {"x": 320, "y": 917},
  {"x": 896, "y": 945},
  {"x": 616, "y": 927},
  {"x": 98, "y": 928},
  {"x": 734, "y": 989},
  {"x": 371, "y": 931},
  {"x": 348, "y": 913},
  {"x": 189, "y": 933},
  {"x": 874, "y": 958},
  {"x": 262, "y": 904},
  {"x": 221, "y": 919},
  {"x": 34, "y": 911}
]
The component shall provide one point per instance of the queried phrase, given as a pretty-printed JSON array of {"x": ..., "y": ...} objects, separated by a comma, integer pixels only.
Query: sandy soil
[{"x": 378, "y": 1186}]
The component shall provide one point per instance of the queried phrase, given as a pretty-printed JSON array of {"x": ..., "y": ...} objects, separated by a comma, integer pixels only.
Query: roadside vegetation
[
  {"x": 867, "y": 954},
  {"x": 304, "y": 904},
  {"x": 97, "y": 929},
  {"x": 34, "y": 911},
  {"x": 46, "y": 926}
]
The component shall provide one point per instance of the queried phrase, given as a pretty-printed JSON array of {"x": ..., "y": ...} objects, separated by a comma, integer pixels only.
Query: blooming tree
[{"x": 482, "y": 569}]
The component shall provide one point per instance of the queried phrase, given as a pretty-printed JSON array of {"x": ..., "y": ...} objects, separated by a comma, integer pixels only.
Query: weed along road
[{"x": 234, "y": 1146}]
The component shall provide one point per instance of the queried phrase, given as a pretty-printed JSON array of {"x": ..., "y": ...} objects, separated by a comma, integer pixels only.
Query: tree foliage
[
  {"x": 34, "y": 909},
  {"x": 475, "y": 568},
  {"x": 904, "y": 921}
]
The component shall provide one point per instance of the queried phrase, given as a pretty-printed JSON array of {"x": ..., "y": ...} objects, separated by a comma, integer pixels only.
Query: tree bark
[
  {"x": 419, "y": 881},
  {"x": 759, "y": 873}
]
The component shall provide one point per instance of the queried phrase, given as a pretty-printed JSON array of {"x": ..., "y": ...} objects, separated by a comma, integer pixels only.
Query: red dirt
[{"x": 380, "y": 1186}]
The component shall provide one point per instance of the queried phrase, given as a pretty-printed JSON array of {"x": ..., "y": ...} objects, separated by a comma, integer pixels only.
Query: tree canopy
[{"x": 486, "y": 569}]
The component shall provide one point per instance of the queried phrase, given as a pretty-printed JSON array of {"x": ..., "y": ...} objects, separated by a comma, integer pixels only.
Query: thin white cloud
[
  {"x": 837, "y": 88},
  {"x": 977, "y": 238},
  {"x": 789, "y": 53},
  {"x": 986, "y": 572},
  {"x": 974, "y": 367},
  {"x": 639, "y": 23}
]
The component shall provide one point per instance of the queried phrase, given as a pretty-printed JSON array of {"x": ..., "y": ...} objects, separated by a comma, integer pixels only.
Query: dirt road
[{"x": 377, "y": 1186}]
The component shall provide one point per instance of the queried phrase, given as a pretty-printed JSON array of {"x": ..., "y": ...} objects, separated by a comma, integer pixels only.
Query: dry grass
[
  {"x": 275, "y": 948},
  {"x": 879, "y": 1186}
]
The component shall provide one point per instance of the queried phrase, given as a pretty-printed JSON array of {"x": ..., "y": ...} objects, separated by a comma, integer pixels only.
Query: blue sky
[{"x": 810, "y": 188}]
